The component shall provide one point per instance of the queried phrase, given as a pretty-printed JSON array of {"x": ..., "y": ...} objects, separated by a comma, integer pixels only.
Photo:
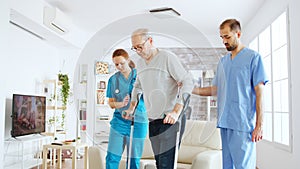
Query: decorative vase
[{"x": 50, "y": 128}]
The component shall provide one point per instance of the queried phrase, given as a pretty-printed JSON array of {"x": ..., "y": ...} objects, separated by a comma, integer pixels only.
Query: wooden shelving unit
[{"x": 54, "y": 108}]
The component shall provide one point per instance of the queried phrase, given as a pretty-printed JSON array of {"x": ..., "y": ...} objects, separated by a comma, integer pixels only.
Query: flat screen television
[{"x": 28, "y": 114}]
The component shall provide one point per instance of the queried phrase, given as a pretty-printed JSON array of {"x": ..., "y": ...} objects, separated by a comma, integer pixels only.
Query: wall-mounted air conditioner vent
[
  {"x": 24, "y": 23},
  {"x": 55, "y": 20}
]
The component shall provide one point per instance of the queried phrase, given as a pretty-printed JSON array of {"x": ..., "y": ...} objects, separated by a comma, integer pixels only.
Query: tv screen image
[{"x": 28, "y": 114}]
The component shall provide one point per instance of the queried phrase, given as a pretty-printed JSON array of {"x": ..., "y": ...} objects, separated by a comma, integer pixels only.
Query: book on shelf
[
  {"x": 103, "y": 117},
  {"x": 82, "y": 114}
]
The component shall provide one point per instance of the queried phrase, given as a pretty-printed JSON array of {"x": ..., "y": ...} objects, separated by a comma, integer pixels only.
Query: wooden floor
[{"x": 66, "y": 164}]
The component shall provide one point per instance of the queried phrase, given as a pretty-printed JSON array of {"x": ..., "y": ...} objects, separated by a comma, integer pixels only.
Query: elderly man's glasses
[{"x": 139, "y": 47}]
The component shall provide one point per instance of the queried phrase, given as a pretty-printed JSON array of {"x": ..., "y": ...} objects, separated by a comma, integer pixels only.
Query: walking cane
[
  {"x": 131, "y": 131},
  {"x": 186, "y": 101}
]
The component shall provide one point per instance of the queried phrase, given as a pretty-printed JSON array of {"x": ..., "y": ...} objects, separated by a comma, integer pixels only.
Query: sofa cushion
[
  {"x": 187, "y": 153},
  {"x": 147, "y": 164},
  {"x": 147, "y": 152},
  {"x": 202, "y": 134},
  {"x": 97, "y": 155},
  {"x": 211, "y": 159},
  {"x": 199, "y": 138}
]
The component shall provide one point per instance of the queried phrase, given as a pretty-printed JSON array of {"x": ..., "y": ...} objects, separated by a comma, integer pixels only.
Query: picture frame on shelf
[
  {"x": 101, "y": 67},
  {"x": 102, "y": 85},
  {"x": 100, "y": 96}
]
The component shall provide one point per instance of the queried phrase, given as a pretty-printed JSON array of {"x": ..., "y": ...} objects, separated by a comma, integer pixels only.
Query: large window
[{"x": 272, "y": 44}]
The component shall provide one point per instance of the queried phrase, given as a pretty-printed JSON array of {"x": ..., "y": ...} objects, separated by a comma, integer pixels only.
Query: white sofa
[{"x": 200, "y": 149}]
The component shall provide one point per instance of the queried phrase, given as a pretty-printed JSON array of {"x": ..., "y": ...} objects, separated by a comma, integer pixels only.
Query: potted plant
[
  {"x": 51, "y": 100},
  {"x": 78, "y": 140},
  {"x": 65, "y": 92},
  {"x": 65, "y": 88},
  {"x": 50, "y": 123}
]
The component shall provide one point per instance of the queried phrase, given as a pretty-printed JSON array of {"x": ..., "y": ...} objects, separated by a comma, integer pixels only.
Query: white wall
[
  {"x": 3, "y": 52},
  {"x": 25, "y": 61},
  {"x": 270, "y": 156}
]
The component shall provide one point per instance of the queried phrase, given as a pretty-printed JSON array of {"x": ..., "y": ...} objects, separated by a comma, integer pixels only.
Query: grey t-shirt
[{"x": 158, "y": 81}]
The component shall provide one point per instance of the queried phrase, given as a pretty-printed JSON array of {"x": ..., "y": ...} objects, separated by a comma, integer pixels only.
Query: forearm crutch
[
  {"x": 131, "y": 131},
  {"x": 186, "y": 101}
]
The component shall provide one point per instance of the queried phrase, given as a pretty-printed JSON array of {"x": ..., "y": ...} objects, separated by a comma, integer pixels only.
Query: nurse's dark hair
[
  {"x": 232, "y": 23},
  {"x": 123, "y": 53}
]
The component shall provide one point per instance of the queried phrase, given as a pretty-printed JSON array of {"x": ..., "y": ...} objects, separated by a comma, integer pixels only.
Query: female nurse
[{"x": 119, "y": 96}]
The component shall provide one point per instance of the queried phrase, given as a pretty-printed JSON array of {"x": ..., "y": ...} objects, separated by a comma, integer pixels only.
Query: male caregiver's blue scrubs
[
  {"x": 120, "y": 127},
  {"x": 235, "y": 81}
]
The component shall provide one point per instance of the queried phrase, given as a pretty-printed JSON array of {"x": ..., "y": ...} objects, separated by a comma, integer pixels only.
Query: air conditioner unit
[{"x": 55, "y": 20}]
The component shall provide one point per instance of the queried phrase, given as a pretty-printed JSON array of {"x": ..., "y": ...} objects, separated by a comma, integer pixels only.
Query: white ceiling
[{"x": 90, "y": 16}]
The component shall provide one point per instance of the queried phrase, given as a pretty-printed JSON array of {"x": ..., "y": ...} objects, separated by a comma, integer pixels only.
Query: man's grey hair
[{"x": 144, "y": 32}]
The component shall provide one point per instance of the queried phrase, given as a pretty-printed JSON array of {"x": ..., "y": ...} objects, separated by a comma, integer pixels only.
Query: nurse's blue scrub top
[
  {"x": 125, "y": 87},
  {"x": 235, "y": 80}
]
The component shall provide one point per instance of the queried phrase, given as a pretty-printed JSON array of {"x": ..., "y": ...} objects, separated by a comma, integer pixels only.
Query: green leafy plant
[
  {"x": 51, "y": 123},
  {"x": 65, "y": 89},
  {"x": 51, "y": 99},
  {"x": 65, "y": 92},
  {"x": 78, "y": 139},
  {"x": 51, "y": 120},
  {"x": 63, "y": 119}
]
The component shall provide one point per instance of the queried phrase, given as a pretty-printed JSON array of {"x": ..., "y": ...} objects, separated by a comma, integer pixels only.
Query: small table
[{"x": 74, "y": 146}]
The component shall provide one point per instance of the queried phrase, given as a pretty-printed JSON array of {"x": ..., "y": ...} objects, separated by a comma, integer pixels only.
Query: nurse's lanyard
[{"x": 117, "y": 91}]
